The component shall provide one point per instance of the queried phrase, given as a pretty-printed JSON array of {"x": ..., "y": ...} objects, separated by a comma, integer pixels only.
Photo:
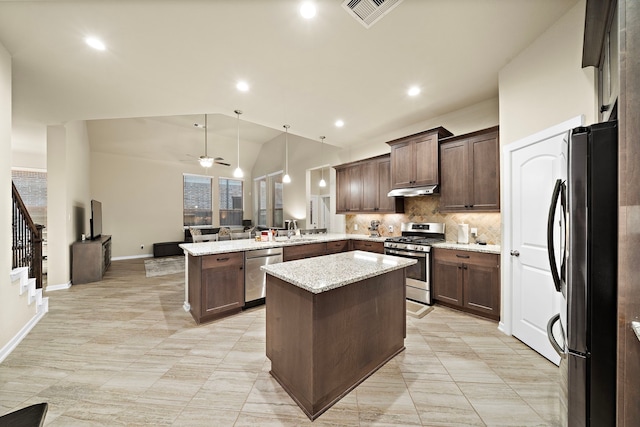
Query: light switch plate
[
  {"x": 355, "y": 227},
  {"x": 391, "y": 229}
]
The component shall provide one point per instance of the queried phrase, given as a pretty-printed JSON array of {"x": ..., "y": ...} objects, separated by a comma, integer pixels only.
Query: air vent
[{"x": 368, "y": 12}]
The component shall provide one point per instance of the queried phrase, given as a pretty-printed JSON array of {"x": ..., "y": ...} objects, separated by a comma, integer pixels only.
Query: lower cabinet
[
  {"x": 337, "y": 246},
  {"x": 291, "y": 253},
  {"x": 216, "y": 285},
  {"x": 467, "y": 280},
  {"x": 369, "y": 246}
]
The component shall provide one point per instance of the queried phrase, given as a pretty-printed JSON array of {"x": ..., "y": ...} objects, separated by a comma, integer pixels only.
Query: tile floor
[{"x": 123, "y": 352}]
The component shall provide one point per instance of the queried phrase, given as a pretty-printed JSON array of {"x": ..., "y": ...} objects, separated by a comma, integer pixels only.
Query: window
[
  {"x": 32, "y": 186},
  {"x": 269, "y": 200},
  {"x": 231, "y": 203},
  {"x": 197, "y": 193}
]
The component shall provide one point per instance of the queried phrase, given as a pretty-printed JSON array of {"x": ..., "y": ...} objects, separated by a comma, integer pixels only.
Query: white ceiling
[{"x": 184, "y": 57}]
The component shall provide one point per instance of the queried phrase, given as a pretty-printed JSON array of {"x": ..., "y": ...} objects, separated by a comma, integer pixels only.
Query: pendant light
[
  {"x": 238, "y": 172},
  {"x": 322, "y": 182},
  {"x": 205, "y": 161},
  {"x": 286, "y": 178}
]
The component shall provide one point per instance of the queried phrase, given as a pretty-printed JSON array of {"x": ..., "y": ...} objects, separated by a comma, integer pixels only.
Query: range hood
[{"x": 415, "y": 191}]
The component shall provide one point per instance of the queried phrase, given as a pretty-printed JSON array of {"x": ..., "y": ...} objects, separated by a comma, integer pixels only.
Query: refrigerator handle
[
  {"x": 552, "y": 338},
  {"x": 550, "y": 249}
]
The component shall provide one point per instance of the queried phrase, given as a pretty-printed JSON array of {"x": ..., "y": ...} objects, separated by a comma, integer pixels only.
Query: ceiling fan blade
[{"x": 222, "y": 163}]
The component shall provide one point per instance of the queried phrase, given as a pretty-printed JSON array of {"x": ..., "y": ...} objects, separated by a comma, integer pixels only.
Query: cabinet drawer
[
  {"x": 363, "y": 245},
  {"x": 222, "y": 260},
  {"x": 337, "y": 246},
  {"x": 290, "y": 253},
  {"x": 466, "y": 257}
]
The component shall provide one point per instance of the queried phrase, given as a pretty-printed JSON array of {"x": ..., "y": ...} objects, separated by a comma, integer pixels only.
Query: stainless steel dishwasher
[{"x": 255, "y": 280}]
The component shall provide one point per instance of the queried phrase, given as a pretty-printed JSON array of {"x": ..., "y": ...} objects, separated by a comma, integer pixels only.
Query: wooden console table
[{"x": 90, "y": 260}]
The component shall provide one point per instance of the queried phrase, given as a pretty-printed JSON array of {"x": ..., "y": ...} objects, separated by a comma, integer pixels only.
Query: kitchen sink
[{"x": 299, "y": 240}]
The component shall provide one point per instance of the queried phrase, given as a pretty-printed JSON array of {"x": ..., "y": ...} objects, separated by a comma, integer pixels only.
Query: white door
[{"x": 533, "y": 165}]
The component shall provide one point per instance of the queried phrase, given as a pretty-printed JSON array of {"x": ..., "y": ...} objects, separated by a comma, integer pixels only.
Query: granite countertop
[
  {"x": 225, "y": 246},
  {"x": 472, "y": 247},
  {"x": 323, "y": 273}
]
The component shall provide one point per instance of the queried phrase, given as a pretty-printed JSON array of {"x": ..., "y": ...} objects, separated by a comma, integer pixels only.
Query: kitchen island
[{"x": 332, "y": 321}]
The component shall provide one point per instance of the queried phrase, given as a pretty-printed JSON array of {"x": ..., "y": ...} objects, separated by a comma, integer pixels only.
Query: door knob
[{"x": 515, "y": 253}]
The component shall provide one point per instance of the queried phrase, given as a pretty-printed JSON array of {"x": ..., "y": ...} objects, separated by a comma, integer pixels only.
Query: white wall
[
  {"x": 545, "y": 84},
  {"x": 15, "y": 311},
  {"x": 68, "y": 196}
]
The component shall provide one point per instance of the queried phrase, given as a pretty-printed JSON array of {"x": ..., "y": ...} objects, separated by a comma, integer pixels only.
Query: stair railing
[{"x": 27, "y": 239}]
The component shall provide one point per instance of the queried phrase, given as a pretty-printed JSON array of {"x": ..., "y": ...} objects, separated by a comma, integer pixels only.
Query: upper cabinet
[
  {"x": 362, "y": 187},
  {"x": 414, "y": 159},
  {"x": 470, "y": 172}
]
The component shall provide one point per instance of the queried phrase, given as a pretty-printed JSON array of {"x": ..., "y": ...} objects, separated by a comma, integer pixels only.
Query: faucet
[{"x": 291, "y": 227}]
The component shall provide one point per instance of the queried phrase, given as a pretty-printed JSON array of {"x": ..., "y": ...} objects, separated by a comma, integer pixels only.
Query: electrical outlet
[
  {"x": 391, "y": 229},
  {"x": 355, "y": 227},
  {"x": 141, "y": 246},
  {"x": 474, "y": 232}
]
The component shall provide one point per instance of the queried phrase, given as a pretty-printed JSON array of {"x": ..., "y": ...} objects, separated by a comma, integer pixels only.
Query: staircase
[
  {"x": 26, "y": 284},
  {"x": 26, "y": 273}
]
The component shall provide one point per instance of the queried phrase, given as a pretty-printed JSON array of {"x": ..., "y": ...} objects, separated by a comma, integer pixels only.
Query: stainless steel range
[{"x": 415, "y": 243}]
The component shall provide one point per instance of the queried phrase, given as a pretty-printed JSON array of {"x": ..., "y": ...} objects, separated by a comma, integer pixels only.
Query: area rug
[
  {"x": 162, "y": 266},
  {"x": 417, "y": 310}
]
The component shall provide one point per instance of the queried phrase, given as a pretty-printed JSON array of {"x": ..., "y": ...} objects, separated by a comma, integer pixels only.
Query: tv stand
[{"x": 90, "y": 260}]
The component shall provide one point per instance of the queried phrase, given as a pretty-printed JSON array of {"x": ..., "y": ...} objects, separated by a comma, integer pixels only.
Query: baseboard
[
  {"x": 120, "y": 258},
  {"x": 62, "y": 287},
  {"x": 13, "y": 343}
]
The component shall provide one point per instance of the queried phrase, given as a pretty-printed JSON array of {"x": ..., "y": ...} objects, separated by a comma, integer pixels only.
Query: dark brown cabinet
[
  {"x": 414, "y": 159},
  {"x": 291, "y": 253},
  {"x": 470, "y": 172},
  {"x": 348, "y": 188},
  {"x": 467, "y": 280},
  {"x": 90, "y": 259},
  {"x": 216, "y": 285},
  {"x": 366, "y": 245},
  {"x": 337, "y": 246},
  {"x": 362, "y": 187}
]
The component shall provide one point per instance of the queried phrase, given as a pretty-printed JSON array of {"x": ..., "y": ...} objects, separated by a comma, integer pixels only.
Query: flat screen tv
[{"x": 96, "y": 219}]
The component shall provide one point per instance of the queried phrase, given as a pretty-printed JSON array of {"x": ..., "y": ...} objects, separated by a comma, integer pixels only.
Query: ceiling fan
[{"x": 206, "y": 161}]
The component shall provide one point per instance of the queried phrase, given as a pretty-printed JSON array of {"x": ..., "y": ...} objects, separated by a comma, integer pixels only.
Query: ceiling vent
[{"x": 368, "y": 12}]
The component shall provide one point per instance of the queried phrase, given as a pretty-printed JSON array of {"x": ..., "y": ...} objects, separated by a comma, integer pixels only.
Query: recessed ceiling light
[
  {"x": 339, "y": 123},
  {"x": 308, "y": 10},
  {"x": 95, "y": 43},
  {"x": 242, "y": 86},
  {"x": 413, "y": 91}
]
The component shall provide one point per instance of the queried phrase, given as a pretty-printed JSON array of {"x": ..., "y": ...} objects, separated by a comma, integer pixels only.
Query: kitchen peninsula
[
  {"x": 332, "y": 321},
  {"x": 215, "y": 271}
]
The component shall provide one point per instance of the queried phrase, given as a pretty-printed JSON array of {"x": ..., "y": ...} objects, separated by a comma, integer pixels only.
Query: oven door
[{"x": 418, "y": 287}]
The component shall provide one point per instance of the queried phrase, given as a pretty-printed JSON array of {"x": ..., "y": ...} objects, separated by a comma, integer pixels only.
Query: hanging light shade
[
  {"x": 286, "y": 178},
  {"x": 322, "y": 182},
  {"x": 205, "y": 161},
  {"x": 238, "y": 172}
]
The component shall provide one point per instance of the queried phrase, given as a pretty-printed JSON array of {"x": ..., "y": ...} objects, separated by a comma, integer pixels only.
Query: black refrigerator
[{"x": 583, "y": 217}]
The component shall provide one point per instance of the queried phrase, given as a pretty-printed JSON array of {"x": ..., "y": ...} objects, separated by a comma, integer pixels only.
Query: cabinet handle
[
  {"x": 222, "y": 259},
  {"x": 462, "y": 256},
  {"x": 464, "y": 266}
]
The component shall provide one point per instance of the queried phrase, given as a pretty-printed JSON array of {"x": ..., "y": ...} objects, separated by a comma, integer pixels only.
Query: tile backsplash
[{"x": 427, "y": 209}]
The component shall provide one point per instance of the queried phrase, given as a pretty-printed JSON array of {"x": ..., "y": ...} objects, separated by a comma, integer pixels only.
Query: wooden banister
[{"x": 27, "y": 239}]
